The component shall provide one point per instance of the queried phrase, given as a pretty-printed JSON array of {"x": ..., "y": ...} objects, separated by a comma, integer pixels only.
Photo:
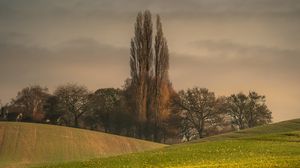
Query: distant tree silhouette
[
  {"x": 54, "y": 114},
  {"x": 198, "y": 106},
  {"x": 104, "y": 106},
  {"x": 248, "y": 110},
  {"x": 258, "y": 113},
  {"x": 73, "y": 100},
  {"x": 29, "y": 103}
]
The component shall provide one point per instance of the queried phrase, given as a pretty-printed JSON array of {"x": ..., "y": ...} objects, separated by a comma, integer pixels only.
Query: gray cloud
[
  {"x": 106, "y": 8},
  {"x": 227, "y": 50},
  {"x": 79, "y": 60},
  {"x": 217, "y": 59}
]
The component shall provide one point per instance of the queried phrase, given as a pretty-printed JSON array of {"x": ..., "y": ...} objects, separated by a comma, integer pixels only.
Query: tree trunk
[
  {"x": 75, "y": 121},
  {"x": 201, "y": 129}
]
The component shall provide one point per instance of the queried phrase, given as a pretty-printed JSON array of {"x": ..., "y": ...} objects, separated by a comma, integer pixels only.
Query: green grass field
[
  {"x": 27, "y": 144},
  {"x": 275, "y": 145}
]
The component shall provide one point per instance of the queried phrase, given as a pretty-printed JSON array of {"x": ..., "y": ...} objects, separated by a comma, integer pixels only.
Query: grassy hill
[
  {"x": 275, "y": 145},
  {"x": 23, "y": 144}
]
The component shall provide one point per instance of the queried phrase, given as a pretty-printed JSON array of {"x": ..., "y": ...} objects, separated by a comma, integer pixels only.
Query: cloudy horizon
[{"x": 227, "y": 46}]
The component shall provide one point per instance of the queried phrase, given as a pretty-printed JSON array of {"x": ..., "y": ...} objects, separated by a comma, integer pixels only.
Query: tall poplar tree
[
  {"x": 149, "y": 64},
  {"x": 141, "y": 66},
  {"x": 162, "y": 86}
]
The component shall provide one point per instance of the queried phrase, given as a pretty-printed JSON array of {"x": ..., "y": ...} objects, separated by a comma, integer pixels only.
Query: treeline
[
  {"x": 203, "y": 114},
  {"x": 195, "y": 113},
  {"x": 147, "y": 107}
]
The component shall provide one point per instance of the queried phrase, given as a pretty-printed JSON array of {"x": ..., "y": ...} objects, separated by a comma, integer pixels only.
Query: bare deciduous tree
[
  {"x": 105, "y": 108},
  {"x": 30, "y": 101},
  {"x": 73, "y": 99},
  {"x": 53, "y": 112},
  {"x": 199, "y": 108},
  {"x": 248, "y": 111}
]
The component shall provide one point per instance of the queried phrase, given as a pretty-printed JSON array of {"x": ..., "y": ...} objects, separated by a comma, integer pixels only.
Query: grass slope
[
  {"x": 24, "y": 144},
  {"x": 275, "y": 145}
]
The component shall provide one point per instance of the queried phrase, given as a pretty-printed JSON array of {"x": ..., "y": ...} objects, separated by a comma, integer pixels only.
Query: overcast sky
[{"x": 227, "y": 46}]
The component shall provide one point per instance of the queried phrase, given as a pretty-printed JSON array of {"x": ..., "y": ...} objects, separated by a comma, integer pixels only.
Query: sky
[{"x": 227, "y": 46}]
